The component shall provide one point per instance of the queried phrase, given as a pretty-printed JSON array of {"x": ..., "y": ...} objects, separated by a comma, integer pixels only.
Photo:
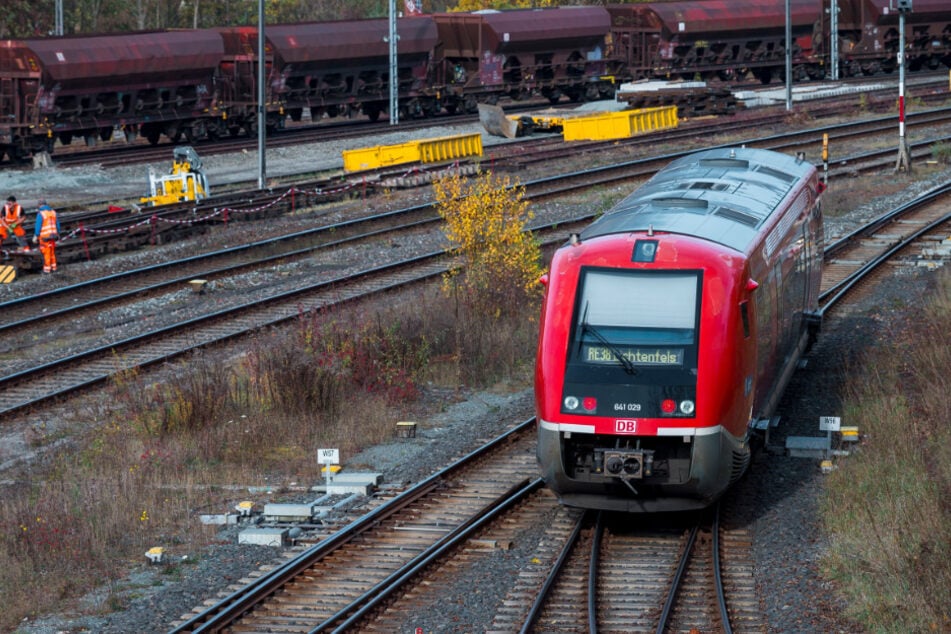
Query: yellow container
[
  {"x": 423, "y": 151},
  {"x": 619, "y": 125},
  {"x": 380, "y": 156}
]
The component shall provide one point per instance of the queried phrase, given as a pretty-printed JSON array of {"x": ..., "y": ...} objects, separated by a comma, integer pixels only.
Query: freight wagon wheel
[{"x": 153, "y": 137}]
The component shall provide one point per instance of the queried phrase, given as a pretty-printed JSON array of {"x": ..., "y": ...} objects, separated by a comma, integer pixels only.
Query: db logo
[{"x": 625, "y": 426}]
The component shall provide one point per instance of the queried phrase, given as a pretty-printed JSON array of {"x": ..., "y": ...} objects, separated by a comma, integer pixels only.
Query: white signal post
[
  {"x": 262, "y": 112},
  {"x": 904, "y": 156},
  {"x": 328, "y": 457},
  {"x": 392, "y": 39}
]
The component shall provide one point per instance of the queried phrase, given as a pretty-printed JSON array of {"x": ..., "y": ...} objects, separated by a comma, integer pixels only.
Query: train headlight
[
  {"x": 572, "y": 403},
  {"x": 589, "y": 403},
  {"x": 687, "y": 407},
  {"x": 668, "y": 406}
]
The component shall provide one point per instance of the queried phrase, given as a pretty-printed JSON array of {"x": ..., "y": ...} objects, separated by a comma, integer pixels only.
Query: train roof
[
  {"x": 348, "y": 41},
  {"x": 507, "y": 32},
  {"x": 110, "y": 57},
  {"x": 722, "y": 17},
  {"x": 724, "y": 195}
]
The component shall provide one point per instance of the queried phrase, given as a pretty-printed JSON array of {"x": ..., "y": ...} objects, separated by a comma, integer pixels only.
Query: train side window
[{"x": 745, "y": 316}]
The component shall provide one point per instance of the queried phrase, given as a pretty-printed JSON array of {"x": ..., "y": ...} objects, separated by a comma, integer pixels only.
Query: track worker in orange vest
[
  {"x": 46, "y": 233},
  {"x": 11, "y": 222}
]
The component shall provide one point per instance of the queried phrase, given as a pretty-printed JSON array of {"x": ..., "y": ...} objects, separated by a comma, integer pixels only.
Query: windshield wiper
[{"x": 626, "y": 363}]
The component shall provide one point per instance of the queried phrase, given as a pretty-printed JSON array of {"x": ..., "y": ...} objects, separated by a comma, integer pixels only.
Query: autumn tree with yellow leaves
[{"x": 486, "y": 222}]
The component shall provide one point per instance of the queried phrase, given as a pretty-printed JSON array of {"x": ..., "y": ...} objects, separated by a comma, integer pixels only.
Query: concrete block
[
  {"x": 356, "y": 477},
  {"x": 219, "y": 519},
  {"x": 349, "y": 488},
  {"x": 288, "y": 512},
  {"x": 263, "y": 536},
  {"x": 807, "y": 446}
]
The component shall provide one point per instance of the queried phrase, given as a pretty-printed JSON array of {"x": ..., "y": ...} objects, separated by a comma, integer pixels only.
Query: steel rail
[
  {"x": 726, "y": 628},
  {"x": 833, "y": 295},
  {"x": 535, "y": 611},
  {"x": 676, "y": 581},
  {"x": 229, "y": 609},
  {"x": 593, "y": 574},
  {"x": 375, "y": 596},
  {"x": 885, "y": 219}
]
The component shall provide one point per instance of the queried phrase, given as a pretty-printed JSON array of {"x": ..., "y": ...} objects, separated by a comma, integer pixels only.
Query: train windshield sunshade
[{"x": 644, "y": 318}]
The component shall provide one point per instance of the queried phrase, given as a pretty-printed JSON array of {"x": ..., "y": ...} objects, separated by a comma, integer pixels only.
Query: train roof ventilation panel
[
  {"x": 734, "y": 163},
  {"x": 737, "y": 216},
  {"x": 783, "y": 176},
  {"x": 709, "y": 185},
  {"x": 695, "y": 205}
]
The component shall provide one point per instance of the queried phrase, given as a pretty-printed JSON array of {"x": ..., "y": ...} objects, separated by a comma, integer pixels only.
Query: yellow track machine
[{"x": 185, "y": 182}]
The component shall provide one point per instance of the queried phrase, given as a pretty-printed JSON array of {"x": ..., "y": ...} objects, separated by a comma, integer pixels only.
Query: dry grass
[
  {"x": 172, "y": 450},
  {"x": 887, "y": 508}
]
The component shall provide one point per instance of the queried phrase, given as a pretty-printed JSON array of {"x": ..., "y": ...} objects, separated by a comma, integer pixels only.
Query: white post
[
  {"x": 394, "y": 72},
  {"x": 789, "y": 45},
  {"x": 59, "y": 28},
  {"x": 262, "y": 115},
  {"x": 904, "y": 156},
  {"x": 834, "y": 38}
]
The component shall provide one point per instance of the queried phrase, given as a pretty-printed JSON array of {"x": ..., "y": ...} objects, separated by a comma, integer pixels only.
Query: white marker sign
[
  {"x": 829, "y": 423},
  {"x": 328, "y": 456}
]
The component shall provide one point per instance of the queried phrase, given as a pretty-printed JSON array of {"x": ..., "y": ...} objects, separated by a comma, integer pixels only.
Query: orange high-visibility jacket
[
  {"x": 47, "y": 224},
  {"x": 12, "y": 213}
]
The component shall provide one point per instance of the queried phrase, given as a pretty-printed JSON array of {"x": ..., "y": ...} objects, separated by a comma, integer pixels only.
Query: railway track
[
  {"x": 904, "y": 231},
  {"x": 664, "y": 579},
  {"x": 338, "y": 581}
]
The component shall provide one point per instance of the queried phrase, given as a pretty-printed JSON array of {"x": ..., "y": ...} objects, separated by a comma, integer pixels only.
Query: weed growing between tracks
[{"x": 887, "y": 506}]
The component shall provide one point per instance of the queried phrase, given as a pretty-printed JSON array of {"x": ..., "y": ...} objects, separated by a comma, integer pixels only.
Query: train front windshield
[{"x": 633, "y": 341}]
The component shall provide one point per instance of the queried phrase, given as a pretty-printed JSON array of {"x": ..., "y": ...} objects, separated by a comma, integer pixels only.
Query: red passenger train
[{"x": 670, "y": 328}]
